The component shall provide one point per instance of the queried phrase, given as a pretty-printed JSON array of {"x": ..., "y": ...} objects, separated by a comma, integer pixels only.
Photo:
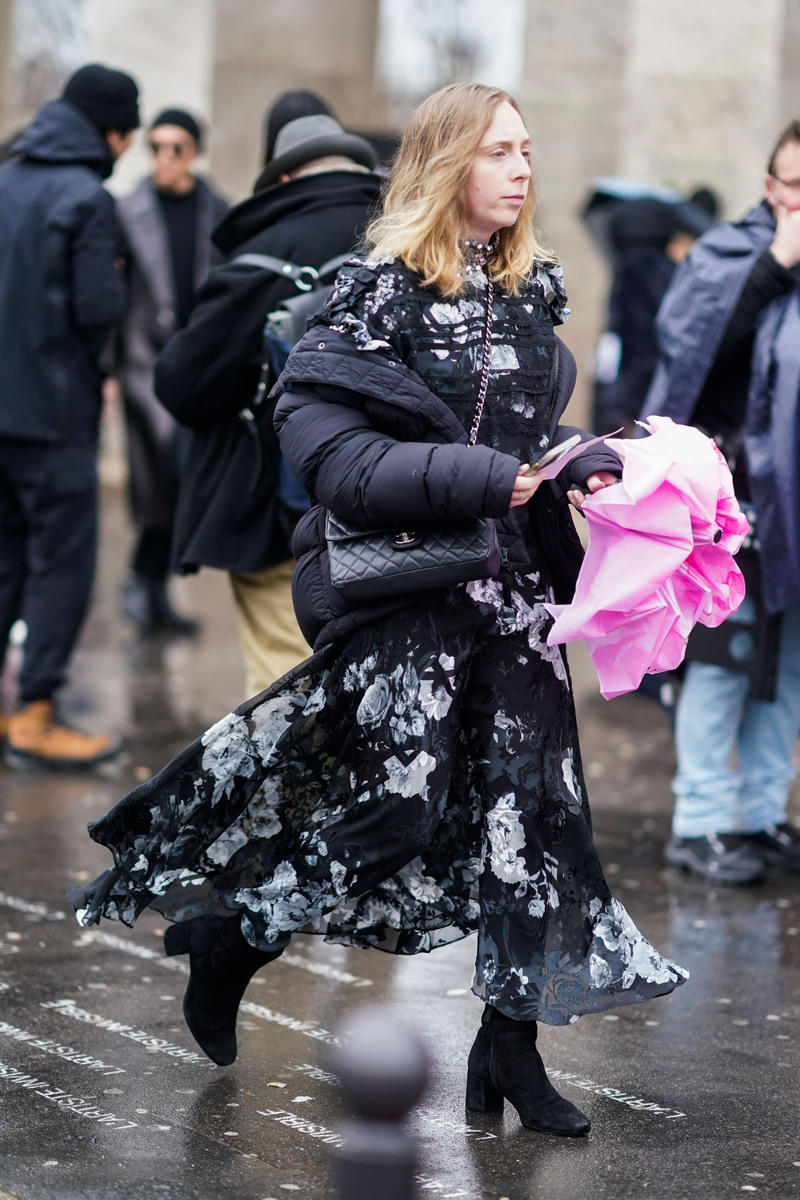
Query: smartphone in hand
[
  {"x": 557, "y": 457},
  {"x": 554, "y": 455}
]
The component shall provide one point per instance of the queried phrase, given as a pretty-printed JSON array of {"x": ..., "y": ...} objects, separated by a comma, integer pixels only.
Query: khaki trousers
[{"x": 269, "y": 635}]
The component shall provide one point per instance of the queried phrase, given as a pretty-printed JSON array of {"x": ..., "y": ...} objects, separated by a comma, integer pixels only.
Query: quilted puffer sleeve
[{"x": 367, "y": 476}]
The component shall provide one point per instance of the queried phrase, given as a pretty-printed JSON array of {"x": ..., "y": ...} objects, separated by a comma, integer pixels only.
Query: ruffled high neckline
[{"x": 477, "y": 254}]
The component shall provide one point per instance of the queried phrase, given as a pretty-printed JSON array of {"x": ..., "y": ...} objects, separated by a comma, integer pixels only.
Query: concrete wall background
[
  {"x": 702, "y": 95},
  {"x": 169, "y": 49},
  {"x": 789, "y": 97},
  {"x": 5, "y": 67},
  {"x": 571, "y": 94},
  {"x": 675, "y": 92},
  {"x": 265, "y": 49}
]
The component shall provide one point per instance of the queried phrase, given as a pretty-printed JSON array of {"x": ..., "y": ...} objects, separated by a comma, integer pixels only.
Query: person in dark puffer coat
[
  {"x": 61, "y": 291},
  {"x": 395, "y": 398},
  {"x": 418, "y": 778}
]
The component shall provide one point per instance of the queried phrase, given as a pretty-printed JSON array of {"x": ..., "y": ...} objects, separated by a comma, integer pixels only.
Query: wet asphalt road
[{"x": 104, "y": 1094}]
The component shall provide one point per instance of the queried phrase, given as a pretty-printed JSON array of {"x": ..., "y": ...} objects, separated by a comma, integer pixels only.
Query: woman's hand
[
  {"x": 524, "y": 486},
  {"x": 600, "y": 479}
]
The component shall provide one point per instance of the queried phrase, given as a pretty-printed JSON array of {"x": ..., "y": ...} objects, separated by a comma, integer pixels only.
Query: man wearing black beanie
[
  {"x": 108, "y": 98},
  {"x": 60, "y": 292},
  {"x": 166, "y": 224}
]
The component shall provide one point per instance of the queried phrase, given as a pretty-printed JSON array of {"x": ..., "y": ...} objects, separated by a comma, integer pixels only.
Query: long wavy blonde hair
[{"x": 425, "y": 208}]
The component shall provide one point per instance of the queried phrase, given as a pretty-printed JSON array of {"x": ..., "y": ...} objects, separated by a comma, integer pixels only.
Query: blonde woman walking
[{"x": 417, "y": 779}]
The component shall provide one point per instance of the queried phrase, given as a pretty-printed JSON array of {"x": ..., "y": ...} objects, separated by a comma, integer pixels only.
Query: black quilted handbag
[{"x": 370, "y": 564}]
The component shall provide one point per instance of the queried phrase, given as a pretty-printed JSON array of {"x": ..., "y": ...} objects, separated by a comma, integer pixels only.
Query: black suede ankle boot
[
  {"x": 222, "y": 963},
  {"x": 504, "y": 1064}
]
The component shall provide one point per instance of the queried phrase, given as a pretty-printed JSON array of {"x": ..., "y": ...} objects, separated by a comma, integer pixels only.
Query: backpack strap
[
  {"x": 305, "y": 279},
  {"x": 331, "y": 267}
]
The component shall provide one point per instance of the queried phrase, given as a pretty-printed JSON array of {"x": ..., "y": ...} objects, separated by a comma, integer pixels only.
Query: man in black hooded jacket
[
  {"x": 310, "y": 205},
  {"x": 60, "y": 293}
]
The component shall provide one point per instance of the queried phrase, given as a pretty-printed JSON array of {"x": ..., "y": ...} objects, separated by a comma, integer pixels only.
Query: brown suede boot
[{"x": 37, "y": 738}]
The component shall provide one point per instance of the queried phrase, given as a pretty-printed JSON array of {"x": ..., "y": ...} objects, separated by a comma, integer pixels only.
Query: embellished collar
[{"x": 477, "y": 254}]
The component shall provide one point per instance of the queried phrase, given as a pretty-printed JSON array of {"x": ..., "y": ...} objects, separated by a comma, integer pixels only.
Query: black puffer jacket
[
  {"x": 227, "y": 513},
  {"x": 367, "y": 439},
  {"x": 60, "y": 289}
]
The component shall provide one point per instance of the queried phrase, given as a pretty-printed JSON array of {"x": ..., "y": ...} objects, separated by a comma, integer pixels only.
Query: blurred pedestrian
[
  {"x": 290, "y": 107},
  {"x": 651, "y": 238},
  {"x": 166, "y": 223},
  {"x": 707, "y": 200},
  {"x": 61, "y": 290},
  {"x": 309, "y": 205},
  {"x": 729, "y": 331},
  {"x": 419, "y": 777}
]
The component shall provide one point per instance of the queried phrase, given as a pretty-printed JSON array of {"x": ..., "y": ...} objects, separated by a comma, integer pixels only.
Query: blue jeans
[{"x": 715, "y": 718}]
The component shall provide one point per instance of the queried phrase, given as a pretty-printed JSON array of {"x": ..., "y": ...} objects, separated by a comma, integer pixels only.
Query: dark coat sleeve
[
  {"x": 98, "y": 291},
  {"x": 693, "y": 317},
  {"x": 598, "y": 458},
  {"x": 639, "y": 288},
  {"x": 210, "y": 369},
  {"x": 722, "y": 405},
  {"x": 367, "y": 476}
]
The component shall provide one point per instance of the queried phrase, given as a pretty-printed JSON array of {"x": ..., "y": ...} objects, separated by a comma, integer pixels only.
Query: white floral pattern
[
  {"x": 421, "y": 780},
  {"x": 479, "y": 813}
]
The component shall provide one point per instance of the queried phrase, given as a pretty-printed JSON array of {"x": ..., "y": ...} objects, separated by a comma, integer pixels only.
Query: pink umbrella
[{"x": 659, "y": 557}]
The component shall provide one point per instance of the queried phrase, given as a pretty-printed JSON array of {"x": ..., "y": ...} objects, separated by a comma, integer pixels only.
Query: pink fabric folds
[{"x": 659, "y": 557}]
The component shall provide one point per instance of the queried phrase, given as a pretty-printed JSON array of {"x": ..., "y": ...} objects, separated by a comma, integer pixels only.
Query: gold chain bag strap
[{"x": 373, "y": 564}]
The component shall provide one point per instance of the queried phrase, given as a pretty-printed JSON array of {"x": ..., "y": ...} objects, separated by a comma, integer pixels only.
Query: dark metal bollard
[{"x": 383, "y": 1067}]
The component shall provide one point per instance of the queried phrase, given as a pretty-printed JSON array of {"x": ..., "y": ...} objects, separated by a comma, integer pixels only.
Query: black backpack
[
  {"x": 284, "y": 326},
  {"x": 287, "y": 323}
]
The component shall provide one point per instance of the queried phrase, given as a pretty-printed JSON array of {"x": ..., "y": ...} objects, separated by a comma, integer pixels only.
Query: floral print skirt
[{"x": 413, "y": 784}]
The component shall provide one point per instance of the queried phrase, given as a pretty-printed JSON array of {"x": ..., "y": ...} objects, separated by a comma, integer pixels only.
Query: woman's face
[{"x": 500, "y": 176}]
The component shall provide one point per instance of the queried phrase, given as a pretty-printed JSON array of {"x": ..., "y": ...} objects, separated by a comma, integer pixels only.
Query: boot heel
[
  {"x": 176, "y": 939},
  {"x": 481, "y": 1096}
]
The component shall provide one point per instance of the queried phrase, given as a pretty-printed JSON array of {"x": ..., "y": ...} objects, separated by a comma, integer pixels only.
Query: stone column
[
  {"x": 274, "y": 46},
  {"x": 169, "y": 48},
  {"x": 571, "y": 94},
  {"x": 789, "y": 98},
  {"x": 702, "y": 94},
  {"x": 5, "y": 69}
]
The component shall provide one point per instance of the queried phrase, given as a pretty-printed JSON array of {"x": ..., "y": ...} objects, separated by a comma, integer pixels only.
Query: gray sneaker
[{"x": 722, "y": 857}]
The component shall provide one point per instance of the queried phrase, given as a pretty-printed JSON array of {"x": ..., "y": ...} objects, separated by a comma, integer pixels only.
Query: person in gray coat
[{"x": 166, "y": 223}]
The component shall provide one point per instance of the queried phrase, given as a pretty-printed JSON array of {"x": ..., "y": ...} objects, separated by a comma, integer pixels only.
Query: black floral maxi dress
[{"x": 421, "y": 779}]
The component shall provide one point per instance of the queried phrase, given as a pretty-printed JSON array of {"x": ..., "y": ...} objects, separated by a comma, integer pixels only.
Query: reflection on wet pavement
[{"x": 104, "y": 1094}]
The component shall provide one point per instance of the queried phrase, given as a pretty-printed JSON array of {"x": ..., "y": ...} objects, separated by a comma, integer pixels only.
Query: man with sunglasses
[
  {"x": 166, "y": 224},
  {"x": 729, "y": 335}
]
